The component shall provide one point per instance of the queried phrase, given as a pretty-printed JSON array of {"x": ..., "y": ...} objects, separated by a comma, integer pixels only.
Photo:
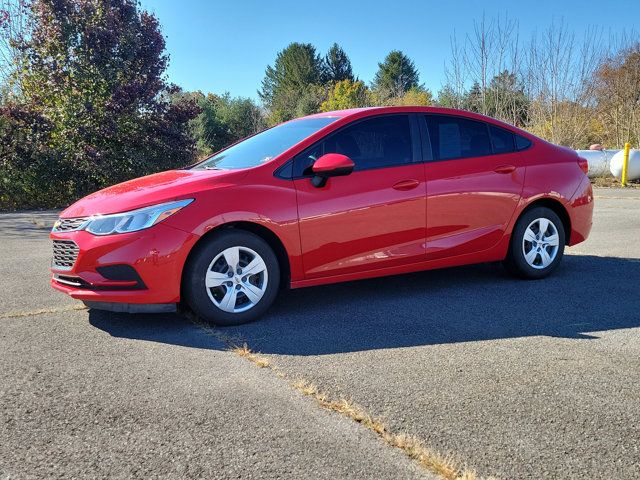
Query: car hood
[{"x": 151, "y": 190}]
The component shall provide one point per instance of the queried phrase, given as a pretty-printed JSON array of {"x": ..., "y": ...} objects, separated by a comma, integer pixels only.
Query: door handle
[
  {"x": 406, "y": 185},
  {"x": 504, "y": 169}
]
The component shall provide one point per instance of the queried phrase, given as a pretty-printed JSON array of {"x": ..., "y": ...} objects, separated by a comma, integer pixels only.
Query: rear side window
[
  {"x": 457, "y": 137},
  {"x": 522, "y": 143},
  {"x": 373, "y": 143},
  {"x": 502, "y": 140}
]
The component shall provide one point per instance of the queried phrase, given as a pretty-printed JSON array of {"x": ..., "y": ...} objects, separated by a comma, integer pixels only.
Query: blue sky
[{"x": 218, "y": 46}]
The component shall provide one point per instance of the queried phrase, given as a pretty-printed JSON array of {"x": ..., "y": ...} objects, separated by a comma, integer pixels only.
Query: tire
[
  {"x": 225, "y": 298},
  {"x": 528, "y": 257}
]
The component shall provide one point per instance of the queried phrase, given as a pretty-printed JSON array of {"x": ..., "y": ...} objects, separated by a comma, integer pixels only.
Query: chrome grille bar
[
  {"x": 65, "y": 253},
  {"x": 69, "y": 224}
]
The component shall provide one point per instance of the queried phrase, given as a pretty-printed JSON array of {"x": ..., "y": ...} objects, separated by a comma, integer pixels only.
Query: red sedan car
[{"x": 326, "y": 198}]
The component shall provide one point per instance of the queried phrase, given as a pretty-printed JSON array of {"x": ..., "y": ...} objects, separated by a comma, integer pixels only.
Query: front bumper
[{"x": 157, "y": 255}]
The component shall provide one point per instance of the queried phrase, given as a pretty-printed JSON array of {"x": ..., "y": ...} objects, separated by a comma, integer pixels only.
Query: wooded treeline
[{"x": 85, "y": 103}]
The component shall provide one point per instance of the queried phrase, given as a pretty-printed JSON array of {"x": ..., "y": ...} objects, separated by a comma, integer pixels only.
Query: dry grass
[
  {"x": 37, "y": 222},
  {"x": 230, "y": 341},
  {"x": 42, "y": 311},
  {"x": 234, "y": 344},
  {"x": 609, "y": 181},
  {"x": 245, "y": 352},
  {"x": 446, "y": 467}
]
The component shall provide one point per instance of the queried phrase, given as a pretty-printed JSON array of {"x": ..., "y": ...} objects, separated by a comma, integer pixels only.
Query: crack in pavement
[
  {"x": 446, "y": 467},
  {"x": 42, "y": 311}
]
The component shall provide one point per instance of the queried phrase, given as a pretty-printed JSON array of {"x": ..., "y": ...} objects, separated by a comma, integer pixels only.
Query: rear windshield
[{"x": 265, "y": 145}]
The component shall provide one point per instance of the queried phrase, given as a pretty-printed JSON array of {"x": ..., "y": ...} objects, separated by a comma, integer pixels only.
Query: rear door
[
  {"x": 475, "y": 178},
  {"x": 374, "y": 217}
]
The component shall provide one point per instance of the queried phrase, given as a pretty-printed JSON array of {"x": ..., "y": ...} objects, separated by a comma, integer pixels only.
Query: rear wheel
[
  {"x": 232, "y": 279},
  {"x": 537, "y": 244}
]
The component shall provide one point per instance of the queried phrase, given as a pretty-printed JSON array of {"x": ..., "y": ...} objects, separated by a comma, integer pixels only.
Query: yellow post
[{"x": 625, "y": 164}]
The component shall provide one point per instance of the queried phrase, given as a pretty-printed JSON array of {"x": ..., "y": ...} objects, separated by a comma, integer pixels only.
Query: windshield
[{"x": 265, "y": 145}]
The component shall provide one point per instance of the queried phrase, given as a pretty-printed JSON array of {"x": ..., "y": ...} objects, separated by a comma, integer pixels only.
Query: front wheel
[
  {"x": 232, "y": 279},
  {"x": 537, "y": 244}
]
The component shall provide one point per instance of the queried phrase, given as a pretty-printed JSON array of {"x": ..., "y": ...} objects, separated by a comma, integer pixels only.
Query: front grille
[
  {"x": 65, "y": 253},
  {"x": 69, "y": 224}
]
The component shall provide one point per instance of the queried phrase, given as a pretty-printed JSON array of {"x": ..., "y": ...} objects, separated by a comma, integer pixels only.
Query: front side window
[
  {"x": 303, "y": 162},
  {"x": 373, "y": 143},
  {"x": 265, "y": 145},
  {"x": 457, "y": 137}
]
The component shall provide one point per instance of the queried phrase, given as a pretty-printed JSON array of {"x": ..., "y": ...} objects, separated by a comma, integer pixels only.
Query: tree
[
  {"x": 504, "y": 98},
  {"x": 15, "y": 23},
  {"x": 94, "y": 76},
  {"x": 558, "y": 78},
  {"x": 416, "y": 96},
  {"x": 337, "y": 66},
  {"x": 31, "y": 173},
  {"x": 289, "y": 87},
  {"x": 347, "y": 94},
  {"x": 241, "y": 116},
  {"x": 223, "y": 120},
  {"x": 543, "y": 84},
  {"x": 507, "y": 100},
  {"x": 617, "y": 96},
  {"x": 396, "y": 75},
  {"x": 448, "y": 97},
  {"x": 473, "y": 100}
]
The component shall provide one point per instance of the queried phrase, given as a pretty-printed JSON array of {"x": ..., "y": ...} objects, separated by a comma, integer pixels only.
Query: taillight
[{"x": 583, "y": 164}]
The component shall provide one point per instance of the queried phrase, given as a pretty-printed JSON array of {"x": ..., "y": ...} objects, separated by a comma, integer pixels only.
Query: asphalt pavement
[{"x": 516, "y": 379}]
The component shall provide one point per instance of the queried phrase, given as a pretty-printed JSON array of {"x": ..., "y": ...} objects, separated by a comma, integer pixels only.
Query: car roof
[
  {"x": 354, "y": 113},
  {"x": 366, "y": 111},
  {"x": 371, "y": 110}
]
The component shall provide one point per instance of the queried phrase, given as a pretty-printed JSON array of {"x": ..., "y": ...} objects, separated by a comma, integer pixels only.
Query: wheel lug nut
[
  {"x": 239, "y": 271},
  {"x": 238, "y": 287},
  {"x": 229, "y": 274}
]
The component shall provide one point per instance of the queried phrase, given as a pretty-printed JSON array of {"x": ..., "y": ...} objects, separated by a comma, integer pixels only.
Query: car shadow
[
  {"x": 162, "y": 328},
  {"x": 587, "y": 294},
  {"x": 481, "y": 302}
]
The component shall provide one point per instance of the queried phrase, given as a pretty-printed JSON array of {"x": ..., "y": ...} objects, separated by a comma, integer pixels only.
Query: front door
[{"x": 372, "y": 218}]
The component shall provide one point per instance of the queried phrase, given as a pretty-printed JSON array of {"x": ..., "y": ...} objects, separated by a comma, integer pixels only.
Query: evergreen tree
[
  {"x": 396, "y": 75},
  {"x": 337, "y": 65},
  {"x": 289, "y": 86}
]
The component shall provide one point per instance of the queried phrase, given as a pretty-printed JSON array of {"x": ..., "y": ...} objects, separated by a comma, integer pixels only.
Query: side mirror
[{"x": 330, "y": 165}]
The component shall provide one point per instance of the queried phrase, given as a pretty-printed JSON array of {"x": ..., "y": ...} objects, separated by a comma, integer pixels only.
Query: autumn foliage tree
[
  {"x": 347, "y": 94},
  {"x": 93, "y": 100},
  {"x": 617, "y": 94}
]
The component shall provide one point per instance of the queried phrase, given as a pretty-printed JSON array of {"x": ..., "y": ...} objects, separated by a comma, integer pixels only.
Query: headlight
[{"x": 134, "y": 220}]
